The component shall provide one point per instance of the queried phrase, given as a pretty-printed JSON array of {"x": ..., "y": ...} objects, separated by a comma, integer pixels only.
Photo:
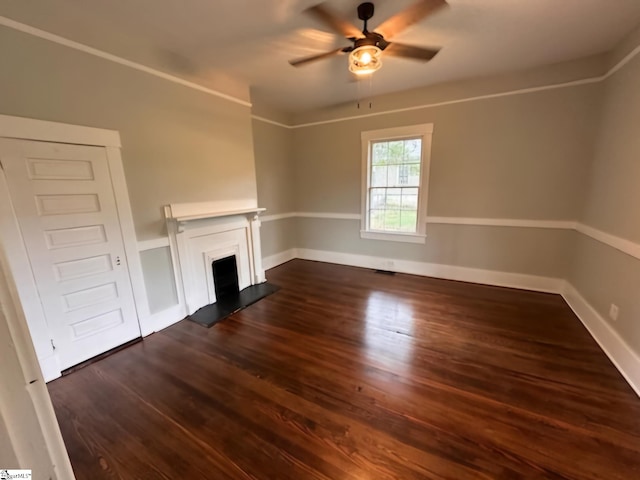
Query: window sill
[{"x": 394, "y": 237}]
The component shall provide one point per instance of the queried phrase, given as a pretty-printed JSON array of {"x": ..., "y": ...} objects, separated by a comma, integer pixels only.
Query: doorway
[{"x": 75, "y": 261}]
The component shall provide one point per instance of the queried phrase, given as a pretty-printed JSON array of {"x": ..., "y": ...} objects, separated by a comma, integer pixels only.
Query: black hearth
[{"x": 229, "y": 298}]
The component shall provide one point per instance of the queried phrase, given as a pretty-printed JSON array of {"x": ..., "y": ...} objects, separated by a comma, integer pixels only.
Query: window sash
[
  {"x": 399, "y": 219},
  {"x": 410, "y": 170},
  {"x": 406, "y": 210}
]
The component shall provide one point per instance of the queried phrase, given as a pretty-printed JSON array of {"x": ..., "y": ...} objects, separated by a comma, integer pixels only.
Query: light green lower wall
[
  {"x": 157, "y": 268},
  {"x": 604, "y": 275},
  {"x": 530, "y": 251}
]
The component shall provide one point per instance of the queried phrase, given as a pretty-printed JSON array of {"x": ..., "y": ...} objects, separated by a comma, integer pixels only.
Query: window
[{"x": 395, "y": 178}]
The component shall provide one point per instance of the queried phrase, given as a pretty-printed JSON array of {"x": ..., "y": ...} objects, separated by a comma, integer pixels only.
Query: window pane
[
  {"x": 392, "y": 175},
  {"x": 396, "y": 151},
  {"x": 413, "y": 174},
  {"x": 409, "y": 199},
  {"x": 408, "y": 221},
  {"x": 376, "y": 220},
  {"x": 394, "y": 198},
  {"x": 377, "y": 198},
  {"x": 394, "y": 184},
  {"x": 412, "y": 150},
  {"x": 379, "y": 153},
  {"x": 403, "y": 175},
  {"x": 392, "y": 220},
  {"x": 379, "y": 176}
]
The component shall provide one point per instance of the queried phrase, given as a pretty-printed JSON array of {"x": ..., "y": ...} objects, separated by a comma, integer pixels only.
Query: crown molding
[
  {"x": 523, "y": 91},
  {"x": 627, "y": 58},
  {"x": 272, "y": 122},
  {"x": 36, "y": 32}
]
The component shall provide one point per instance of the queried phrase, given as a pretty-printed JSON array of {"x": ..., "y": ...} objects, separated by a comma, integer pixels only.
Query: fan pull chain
[{"x": 364, "y": 95}]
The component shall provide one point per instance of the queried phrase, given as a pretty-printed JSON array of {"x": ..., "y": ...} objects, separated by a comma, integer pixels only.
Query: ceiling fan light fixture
[{"x": 365, "y": 60}]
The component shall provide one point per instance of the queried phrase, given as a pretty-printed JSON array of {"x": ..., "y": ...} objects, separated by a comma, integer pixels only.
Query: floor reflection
[{"x": 389, "y": 330}]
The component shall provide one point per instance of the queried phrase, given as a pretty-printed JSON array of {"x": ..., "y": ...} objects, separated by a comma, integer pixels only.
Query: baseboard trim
[
  {"x": 163, "y": 319},
  {"x": 619, "y": 352},
  {"x": 448, "y": 272},
  {"x": 279, "y": 258}
]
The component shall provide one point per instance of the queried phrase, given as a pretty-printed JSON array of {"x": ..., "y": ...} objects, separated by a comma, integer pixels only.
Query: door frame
[{"x": 27, "y": 295}]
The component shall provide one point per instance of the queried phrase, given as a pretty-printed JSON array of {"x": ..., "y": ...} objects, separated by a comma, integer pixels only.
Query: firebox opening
[{"x": 225, "y": 278}]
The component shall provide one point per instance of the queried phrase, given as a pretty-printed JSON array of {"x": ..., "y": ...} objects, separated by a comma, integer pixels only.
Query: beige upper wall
[
  {"x": 274, "y": 168},
  {"x": 614, "y": 194},
  {"x": 276, "y": 180},
  {"x": 521, "y": 156},
  {"x": 178, "y": 144}
]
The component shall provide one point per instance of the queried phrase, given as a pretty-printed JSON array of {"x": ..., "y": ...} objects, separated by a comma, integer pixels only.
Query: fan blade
[
  {"x": 411, "y": 15},
  {"x": 312, "y": 58},
  {"x": 409, "y": 51},
  {"x": 334, "y": 22}
]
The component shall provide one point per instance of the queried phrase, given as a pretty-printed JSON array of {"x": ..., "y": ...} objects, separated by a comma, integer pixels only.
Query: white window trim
[{"x": 425, "y": 131}]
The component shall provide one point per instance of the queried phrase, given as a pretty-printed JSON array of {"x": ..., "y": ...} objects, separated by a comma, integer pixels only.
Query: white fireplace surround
[{"x": 200, "y": 233}]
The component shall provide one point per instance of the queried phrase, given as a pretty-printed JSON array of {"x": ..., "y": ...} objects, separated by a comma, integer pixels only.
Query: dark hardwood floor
[{"x": 349, "y": 374}]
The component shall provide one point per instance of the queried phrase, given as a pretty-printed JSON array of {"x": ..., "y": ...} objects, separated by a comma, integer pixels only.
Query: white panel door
[{"x": 63, "y": 198}]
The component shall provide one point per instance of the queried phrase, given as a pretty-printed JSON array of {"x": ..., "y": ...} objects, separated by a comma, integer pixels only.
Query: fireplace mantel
[
  {"x": 184, "y": 212},
  {"x": 200, "y": 232}
]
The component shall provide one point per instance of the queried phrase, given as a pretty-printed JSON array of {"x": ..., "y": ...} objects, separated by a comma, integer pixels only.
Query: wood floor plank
[
  {"x": 349, "y": 374},
  {"x": 432, "y": 411},
  {"x": 115, "y": 435}
]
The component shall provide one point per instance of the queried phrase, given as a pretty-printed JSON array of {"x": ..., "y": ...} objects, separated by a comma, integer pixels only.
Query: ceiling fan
[{"x": 365, "y": 53}]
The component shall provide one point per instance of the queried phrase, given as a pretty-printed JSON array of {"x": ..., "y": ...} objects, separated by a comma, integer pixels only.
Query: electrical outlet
[{"x": 613, "y": 312}]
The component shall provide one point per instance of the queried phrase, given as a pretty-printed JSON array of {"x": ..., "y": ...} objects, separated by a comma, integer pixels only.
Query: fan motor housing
[
  {"x": 365, "y": 11},
  {"x": 370, "y": 38}
]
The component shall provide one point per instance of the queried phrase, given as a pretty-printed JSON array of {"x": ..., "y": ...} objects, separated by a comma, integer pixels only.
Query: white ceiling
[{"x": 252, "y": 40}]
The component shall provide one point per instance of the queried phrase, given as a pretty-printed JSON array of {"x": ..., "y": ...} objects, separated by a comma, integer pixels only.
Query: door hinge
[{"x": 53, "y": 344}]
